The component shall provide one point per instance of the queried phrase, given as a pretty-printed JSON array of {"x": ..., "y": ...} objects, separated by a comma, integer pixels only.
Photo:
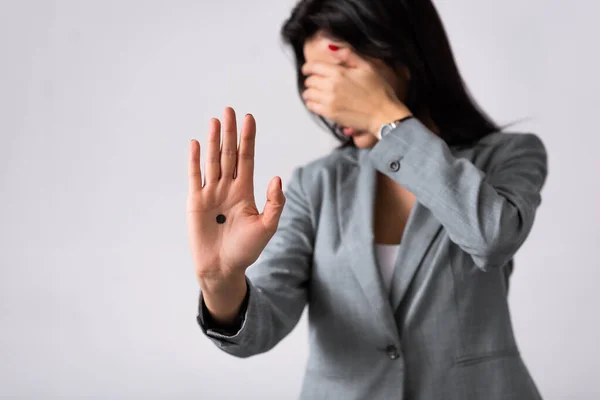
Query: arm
[
  {"x": 276, "y": 284},
  {"x": 487, "y": 216}
]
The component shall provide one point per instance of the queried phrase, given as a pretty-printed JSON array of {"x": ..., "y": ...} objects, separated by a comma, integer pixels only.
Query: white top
[{"x": 386, "y": 258}]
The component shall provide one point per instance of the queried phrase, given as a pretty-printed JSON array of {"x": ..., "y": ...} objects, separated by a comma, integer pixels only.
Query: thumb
[{"x": 274, "y": 206}]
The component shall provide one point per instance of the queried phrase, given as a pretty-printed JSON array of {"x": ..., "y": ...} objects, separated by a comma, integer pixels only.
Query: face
[{"x": 317, "y": 49}]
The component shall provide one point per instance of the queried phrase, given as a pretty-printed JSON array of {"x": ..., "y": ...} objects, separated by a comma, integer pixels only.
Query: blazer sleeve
[
  {"x": 277, "y": 282},
  {"x": 488, "y": 216}
]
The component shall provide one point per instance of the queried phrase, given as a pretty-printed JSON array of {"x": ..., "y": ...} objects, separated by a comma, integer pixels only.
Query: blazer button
[
  {"x": 392, "y": 352},
  {"x": 395, "y": 166}
]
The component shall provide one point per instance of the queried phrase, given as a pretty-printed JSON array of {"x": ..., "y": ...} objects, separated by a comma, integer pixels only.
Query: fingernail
[
  {"x": 280, "y": 184},
  {"x": 333, "y": 47}
]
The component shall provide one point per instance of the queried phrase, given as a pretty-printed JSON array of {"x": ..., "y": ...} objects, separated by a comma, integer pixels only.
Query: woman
[{"x": 400, "y": 241}]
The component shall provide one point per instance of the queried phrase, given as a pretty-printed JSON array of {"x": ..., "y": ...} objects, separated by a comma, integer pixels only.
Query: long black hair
[{"x": 402, "y": 33}]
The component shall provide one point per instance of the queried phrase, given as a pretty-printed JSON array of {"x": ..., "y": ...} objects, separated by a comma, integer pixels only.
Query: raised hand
[{"x": 225, "y": 229}]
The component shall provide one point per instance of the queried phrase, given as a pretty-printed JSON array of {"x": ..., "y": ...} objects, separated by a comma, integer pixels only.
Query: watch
[{"x": 387, "y": 128}]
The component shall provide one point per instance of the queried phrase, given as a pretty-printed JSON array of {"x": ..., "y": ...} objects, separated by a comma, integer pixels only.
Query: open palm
[{"x": 225, "y": 229}]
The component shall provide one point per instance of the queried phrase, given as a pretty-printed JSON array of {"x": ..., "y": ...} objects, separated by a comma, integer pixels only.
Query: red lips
[{"x": 348, "y": 131}]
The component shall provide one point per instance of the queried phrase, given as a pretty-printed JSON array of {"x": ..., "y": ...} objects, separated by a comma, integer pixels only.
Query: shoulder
[
  {"x": 326, "y": 167},
  {"x": 317, "y": 180}
]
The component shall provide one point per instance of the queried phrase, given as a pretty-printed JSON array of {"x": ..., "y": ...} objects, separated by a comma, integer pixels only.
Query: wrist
[
  {"x": 390, "y": 112},
  {"x": 223, "y": 300},
  {"x": 221, "y": 285}
]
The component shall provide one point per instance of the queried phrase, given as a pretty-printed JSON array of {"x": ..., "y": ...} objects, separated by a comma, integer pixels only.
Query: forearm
[
  {"x": 267, "y": 315},
  {"x": 487, "y": 215}
]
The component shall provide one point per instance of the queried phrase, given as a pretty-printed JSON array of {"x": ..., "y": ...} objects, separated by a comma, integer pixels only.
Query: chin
[{"x": 364, "y": 140}]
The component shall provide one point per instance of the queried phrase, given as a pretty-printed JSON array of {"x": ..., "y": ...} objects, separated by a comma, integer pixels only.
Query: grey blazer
[{"x": 444, "y": 331}]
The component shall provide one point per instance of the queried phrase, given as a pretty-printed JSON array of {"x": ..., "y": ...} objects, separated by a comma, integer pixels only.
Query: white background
[{"x": 98, "y": 103}]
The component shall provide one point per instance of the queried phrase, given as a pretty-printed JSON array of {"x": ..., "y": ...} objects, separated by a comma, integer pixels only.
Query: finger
[
  {"x": 245, "y": 158},
  {"x": 194, "y": 173},
  {"x": 318, "y": 109},
  {"x": 212, "y": 166},
  {"x": 317, "y": 82},
  {"x": 274, "y": 205},
  {"x": 321, "y": 69},
  {"x": 314, "y": 95},
  {"x": 229, "y": 149}
]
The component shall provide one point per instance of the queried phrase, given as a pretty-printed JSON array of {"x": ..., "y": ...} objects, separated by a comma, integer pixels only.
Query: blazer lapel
[
  {"x": 419, "y": 233},
  {"x": 356, "y": 195}
]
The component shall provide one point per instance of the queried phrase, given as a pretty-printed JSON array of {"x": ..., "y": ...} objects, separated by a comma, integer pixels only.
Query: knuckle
[
  {"x": 228, "y": 152},
  {"x": 246, "y": 156}
]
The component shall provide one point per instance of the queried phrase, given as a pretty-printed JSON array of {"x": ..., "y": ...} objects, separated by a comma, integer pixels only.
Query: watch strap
[{"x": 394, "y": 124}]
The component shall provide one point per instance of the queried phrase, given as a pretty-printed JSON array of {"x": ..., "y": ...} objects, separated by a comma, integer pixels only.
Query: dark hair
[{"x": 402, "y": 33}]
